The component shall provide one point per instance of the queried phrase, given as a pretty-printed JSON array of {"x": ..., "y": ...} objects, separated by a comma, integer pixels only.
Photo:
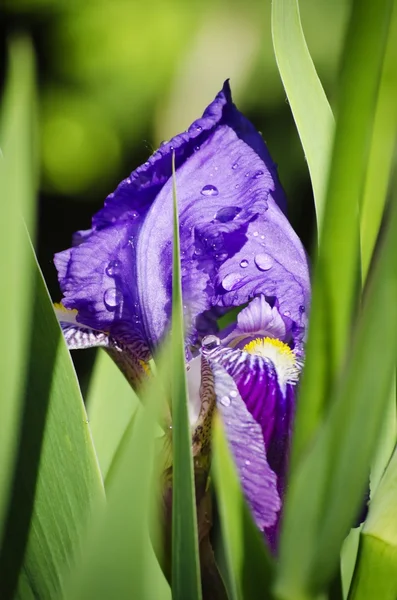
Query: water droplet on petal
[
  {"x": 163, "y": 143},
  {"x": 225, "y": 400},
  {"x": 248, "y": 462},
  {"x": 247, "y": 174},
  {"x": 258, "y": 174},
  {"x": 233, "y": 394},
  {"x": 237, "y": 185},
  {"x": 112, "y": 298},
  {"x": 196, "y": 148},
  {"x": 228, "y": 213},
  {"x": 198, "y": 127},
  {"x": 244, "y": 263},
  {"x": 198, "y": 251},
  {"x": 209, "y": 190},
  {"x": 255, "y": 234},
  {"x": 264, "y": 262},
  {"x": 134, "y": 214},
  {"x": 210, "y": 342},
  {"x": 262, "y": 237},
  {"x": 230, "y": 280},
  {"x": 147, "y": 164},
  {"x": 113, "y": 268},
  {"x": 302, "y": 308},
  {"x": 287, "y": 313},
  {"x": 234, "y": 167}
]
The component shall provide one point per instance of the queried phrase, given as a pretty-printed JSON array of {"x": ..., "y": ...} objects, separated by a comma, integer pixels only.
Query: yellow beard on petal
[{"x": 283, "y": 358}]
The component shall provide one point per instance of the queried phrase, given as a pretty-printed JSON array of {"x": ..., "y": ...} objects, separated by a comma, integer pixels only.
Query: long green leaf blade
[
  {"x": 119, "y": 559},
  {"x": 111, "y": 403},
  {"x": 17, "y": 193},
  {"x": 57, "y": 480},
  {"x": 375, "y": 575},
  {"x": 327, "y": 489},
  {"x": 381, "y": 151},
  {"x": 336, "y": 282},
  {"x": 185, "y": 557},
  {"x": 309, "y": 104}
]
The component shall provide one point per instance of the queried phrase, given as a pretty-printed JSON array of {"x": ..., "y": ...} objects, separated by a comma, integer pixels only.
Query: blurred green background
[{"x": 116, "y": 77}]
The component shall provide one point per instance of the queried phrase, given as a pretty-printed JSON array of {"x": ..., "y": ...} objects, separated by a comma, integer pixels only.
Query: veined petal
[
  {"x": 127, "y": 355},
  {"x": 228, "y": 222},
  {"x": 246, "y": 439},
  {"x": 269, "y": 399}
]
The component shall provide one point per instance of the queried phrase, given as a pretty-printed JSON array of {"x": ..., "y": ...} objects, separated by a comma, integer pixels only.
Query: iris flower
[{"x": 238, "y": 249}]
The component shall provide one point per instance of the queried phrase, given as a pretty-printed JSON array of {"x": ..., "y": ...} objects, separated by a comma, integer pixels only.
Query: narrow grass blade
[
  {"x": 327, "y": 490},
  {"x": 375, "y": 575},
  {"x": 248, "y": 563},
  {"x": 119, "y": 560},
  {"x": 381, "y": 152},
  {"x": 185, "y": 556},
  {"x": 111, "y": 402},
  {"x": 17, "y": 194},
  {"x": 336, "y": 280},
  {"x": 57, "y": 481},
  {"x": 309, "y": 104}
]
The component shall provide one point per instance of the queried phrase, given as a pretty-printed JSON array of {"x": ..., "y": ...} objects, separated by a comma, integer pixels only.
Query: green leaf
[
  {"x": 381, "y": 151},
  {"x": 309, "y": 104},
  {"x": 185, "y": 557},
  {"x": 111, "y": 403},
  {"x": 327, "y": 489},
  {"x": 375, "y": 575},
  {"x": 17, "y": 194},
  {"x": 57, "y": 480},
  {"x": 248, "y": 563},
  {"x": 336, "y": 285},
  {"x": 119, "y": 560}
]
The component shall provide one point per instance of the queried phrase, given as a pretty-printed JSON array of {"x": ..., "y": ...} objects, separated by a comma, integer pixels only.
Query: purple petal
[
  {"x": 118, "y": 277},
  {"x": 245, "y": 437},
  {"x": 258, "y": 319},
  {"x": 253, "y": 380},
  {"x": 228, "y": 220},
  {"x": 257, "y": 383}
]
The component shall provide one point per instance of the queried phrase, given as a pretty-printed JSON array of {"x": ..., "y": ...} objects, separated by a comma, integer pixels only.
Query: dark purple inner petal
[{"x": 244, "y": 435}]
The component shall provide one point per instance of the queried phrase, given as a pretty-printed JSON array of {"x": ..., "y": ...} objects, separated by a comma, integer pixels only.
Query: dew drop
[
  {"x": 210, "y": 342},
  {"x": 255, "y": 234},
  {"x": 198, "y": 251},
  {"x": 262, "y": 237},
  {"x": 264, "y": 262},
  {"x": 230, "y": 280},
  {"x": 209, "y": 190},
  {"x": 228, "y": 213},
  {"x": 302, "y": 308},
  {"x": 233, "y": 394},
  {"x": 112, "y": 298},
  {"x": 113, "y": 268},
  {"x": 287, "y": 313},
  {"x": 225, "y": 400},
  {"x": 258, "y": 174},
  {"x": 244, "y": 263},
  {"x": 163, "y": 143},
  {"x": 134, "y": 214},
  {"x": 147, "y": 164},
  {"x": 237, "y": 186},
  {"x": 234, "y": 167},
  {"x": 196, "y": 148},
  {"x": 248, "y": 462},
  {"x": 247, "y": 174}
]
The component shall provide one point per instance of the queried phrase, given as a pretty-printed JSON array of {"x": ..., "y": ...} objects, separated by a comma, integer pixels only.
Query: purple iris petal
[
  {"x": 258, "y": 319},
  {"x": 245, "y": 437},
  {"x": 270, "y": 406},
  {"x": 118, "y": 276}
]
